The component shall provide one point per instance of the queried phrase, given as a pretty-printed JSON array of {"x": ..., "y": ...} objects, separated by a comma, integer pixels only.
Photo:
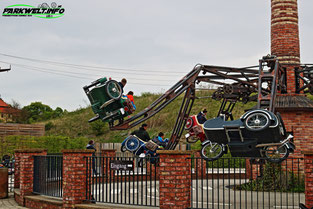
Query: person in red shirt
[{"x": 130, "y": 96}]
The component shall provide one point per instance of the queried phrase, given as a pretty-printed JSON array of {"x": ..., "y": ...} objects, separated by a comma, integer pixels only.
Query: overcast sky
[{"x": 152, "y": 43}]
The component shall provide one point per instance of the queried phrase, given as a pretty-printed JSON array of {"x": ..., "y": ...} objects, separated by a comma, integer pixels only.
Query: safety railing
[
  {"x": 247, "y": 183},
  {"x": 122, "y": 180},
  {"x": 48, "y": 175}
]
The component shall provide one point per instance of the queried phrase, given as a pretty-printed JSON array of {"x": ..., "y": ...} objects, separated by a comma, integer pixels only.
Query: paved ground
[{"x": 9, "y": 203}]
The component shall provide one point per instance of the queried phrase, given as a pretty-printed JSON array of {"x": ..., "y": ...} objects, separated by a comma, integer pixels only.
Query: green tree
[
  {"x": 37, "y": 112},
  {"x": 58, "y": 112}
]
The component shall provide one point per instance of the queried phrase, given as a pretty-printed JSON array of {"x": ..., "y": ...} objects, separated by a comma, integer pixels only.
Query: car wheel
[
  {"x": 113, "y": 89},
  {"x": 276, "y": 154},
  {"x": 257, "y": 121},
  {"x": 132, "y": 144},
  {"x": 212, "y": 151}
]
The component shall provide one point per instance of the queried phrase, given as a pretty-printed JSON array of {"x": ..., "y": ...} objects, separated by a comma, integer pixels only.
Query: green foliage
[
  {"x": 37, "y": 111},
  {"x": 97, "y": 128},
  {"x": 74, "y": 124},
  {"x": 54, "y": 144},
  {"x": 48, "y": 126},
  {"x": 275, "y": 178}
]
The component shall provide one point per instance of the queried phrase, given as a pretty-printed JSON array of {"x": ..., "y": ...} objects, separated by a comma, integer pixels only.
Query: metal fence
[
  {"x": 247, "y": 183},
  {"x": 117, "y": 147},
  {"x": 48, "y": 177},
  {"x": 122, "y": 180},
  {"x": 11, "y": 179}
]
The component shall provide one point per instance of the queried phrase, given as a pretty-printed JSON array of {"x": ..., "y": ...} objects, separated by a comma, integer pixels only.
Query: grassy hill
[{"x": 75, "y": 124}]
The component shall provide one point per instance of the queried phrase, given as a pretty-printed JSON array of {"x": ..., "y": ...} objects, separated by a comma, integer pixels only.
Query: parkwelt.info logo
[{"x": 44, "y": 10}]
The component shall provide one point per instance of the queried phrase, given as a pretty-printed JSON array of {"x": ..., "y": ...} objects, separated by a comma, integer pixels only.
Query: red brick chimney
[
  {"x": 285, "y": 36},
  {"x": 296, "y": 109}
]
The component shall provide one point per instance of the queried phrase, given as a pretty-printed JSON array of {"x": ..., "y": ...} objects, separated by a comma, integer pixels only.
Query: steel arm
[
  {"x": 180, "y": 87},
  {"x": 241, "y": 83},
  {"x": 5, "y": 70}
]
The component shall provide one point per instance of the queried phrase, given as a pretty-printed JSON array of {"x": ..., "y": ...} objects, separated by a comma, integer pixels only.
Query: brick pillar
[
  {"x": 175, "y": 179},
  {"x": 285, "y": 36},
  {"x": 74, "y": 176},
  {"x": 107, "y": 154},
  {"x": 308, "y": 170},
  {"x": 201, "y": 165},
  {"x": 17, "y": 165},
  {"x": 26, "y": 169}
]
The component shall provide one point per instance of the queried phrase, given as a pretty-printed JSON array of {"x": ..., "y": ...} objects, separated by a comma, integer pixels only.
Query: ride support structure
[{"x": 260, "y": 83}]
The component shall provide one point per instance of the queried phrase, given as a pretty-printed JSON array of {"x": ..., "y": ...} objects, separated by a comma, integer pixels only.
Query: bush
[
  {"x": 97, "y": 128},
  {"x": 53, "y": 144},
  {"x": 275, "y": 178},
  {"x": 49, "y": 126}
]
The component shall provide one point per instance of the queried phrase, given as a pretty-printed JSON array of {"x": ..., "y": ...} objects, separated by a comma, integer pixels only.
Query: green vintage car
[{"x": 107, "y": 100}]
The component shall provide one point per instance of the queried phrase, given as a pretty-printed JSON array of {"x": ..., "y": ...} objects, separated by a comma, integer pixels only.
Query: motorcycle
[{"x": 258, "y": 133}]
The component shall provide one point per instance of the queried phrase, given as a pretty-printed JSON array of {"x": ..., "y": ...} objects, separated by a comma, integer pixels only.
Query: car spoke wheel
[
  {"x": 257, "y": 121},
  {"x": 132, "y": 144},
  {"x": 276, "y": 154},
  {"x": 114, "y": 90},
  {"x": 212, "y": 151}
]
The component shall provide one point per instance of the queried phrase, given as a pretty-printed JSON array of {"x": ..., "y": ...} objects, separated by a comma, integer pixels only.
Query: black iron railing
[
  {"x": 247, "y": 183},
  {"x": 122, "y": 180},
  {"x": 48, "y": 175},
  {"x": 11, "y": 179}
]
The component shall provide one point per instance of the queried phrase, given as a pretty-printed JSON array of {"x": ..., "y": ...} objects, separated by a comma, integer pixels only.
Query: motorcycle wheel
[
  {"x": 276, "y": 154},
  {"x": 212, "y": 151},
  {"x": 257, "y": 121}
]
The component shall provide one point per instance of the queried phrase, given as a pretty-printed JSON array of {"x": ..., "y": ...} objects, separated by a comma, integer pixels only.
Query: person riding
[
  {"x": 130, "y": 96},
  {"x": 122, "y": 84},
  {"x": 90, "y": 145},
  {"x": 159, "y": 140},
  {"x": 201, "y": 116},
  {"x": 142, "y": 133}
]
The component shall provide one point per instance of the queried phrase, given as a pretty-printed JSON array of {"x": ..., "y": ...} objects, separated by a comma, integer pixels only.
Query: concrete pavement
[{"x": 9, "y": 203}]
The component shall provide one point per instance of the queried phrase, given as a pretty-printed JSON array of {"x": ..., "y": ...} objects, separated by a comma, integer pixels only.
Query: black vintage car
[{"x": 258, "y": 133}]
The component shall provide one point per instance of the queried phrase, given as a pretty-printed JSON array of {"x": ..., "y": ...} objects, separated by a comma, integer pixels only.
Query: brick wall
[
  {"x": 74, "y": 176},
  {"x": 17, "y": 170},
  {"x": 38, "y": 203},
  {"x": 24, "y": 175},
  {"x": 285, "y": 36},
  {"x": 300, "y": 123},
  {"x": 175, "y": 179},
  {"x": 27, "y": 169},
  {"x": 308, "y": 165}
]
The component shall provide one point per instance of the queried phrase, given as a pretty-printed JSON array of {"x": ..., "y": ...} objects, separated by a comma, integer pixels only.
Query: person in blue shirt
[
  {"x": 91, "y": 145},
  {"x": 159, "y": 140},
  {"x": 201, "y": 116}
]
